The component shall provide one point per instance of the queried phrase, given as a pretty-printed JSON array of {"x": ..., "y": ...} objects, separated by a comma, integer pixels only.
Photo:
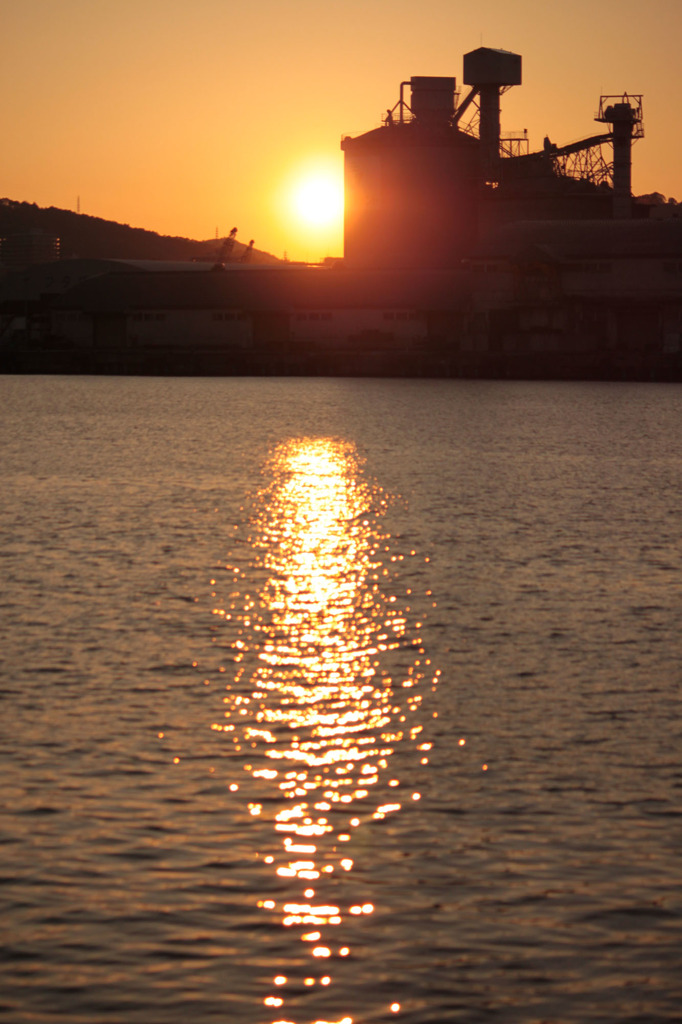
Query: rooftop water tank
[{"x": 492, "y": 67}]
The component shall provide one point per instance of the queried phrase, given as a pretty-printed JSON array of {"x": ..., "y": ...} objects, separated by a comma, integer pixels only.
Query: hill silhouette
[{"x": 85, "y": 237}]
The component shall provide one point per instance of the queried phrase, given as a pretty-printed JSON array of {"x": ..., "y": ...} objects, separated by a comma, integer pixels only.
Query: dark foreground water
[{"x": 332, "y": 700}]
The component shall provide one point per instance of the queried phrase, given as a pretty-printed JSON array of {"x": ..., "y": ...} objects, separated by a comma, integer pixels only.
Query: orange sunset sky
[{"x": 183, "y": 116}]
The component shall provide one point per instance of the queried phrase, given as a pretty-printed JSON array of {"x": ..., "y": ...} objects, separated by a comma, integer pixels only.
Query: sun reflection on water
[{"x": 329, "y": 681}]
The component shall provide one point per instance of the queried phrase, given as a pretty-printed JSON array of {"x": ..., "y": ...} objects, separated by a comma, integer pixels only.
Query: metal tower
[{"x": 624, "y": 115}]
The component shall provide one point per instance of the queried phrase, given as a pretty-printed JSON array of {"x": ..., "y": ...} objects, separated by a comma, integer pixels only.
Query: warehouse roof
[{"x": 268, "y": 289}]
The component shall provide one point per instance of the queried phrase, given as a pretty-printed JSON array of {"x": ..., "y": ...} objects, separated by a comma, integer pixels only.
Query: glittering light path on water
[{"x": 328, "y": 683}]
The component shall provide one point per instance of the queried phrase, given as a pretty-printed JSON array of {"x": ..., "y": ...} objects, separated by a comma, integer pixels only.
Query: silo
[{"x": 410, "y": 185}]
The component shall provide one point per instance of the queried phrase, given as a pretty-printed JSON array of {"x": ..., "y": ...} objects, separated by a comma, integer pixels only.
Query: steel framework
[
  {"x": 583, "y": 161},
  {"x": 514, "y": 144}
]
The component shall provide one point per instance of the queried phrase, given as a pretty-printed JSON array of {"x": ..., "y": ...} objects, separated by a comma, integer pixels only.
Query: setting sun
[
  {"x": 318, "y": 199},
  {"x": 309, "y": 206}
]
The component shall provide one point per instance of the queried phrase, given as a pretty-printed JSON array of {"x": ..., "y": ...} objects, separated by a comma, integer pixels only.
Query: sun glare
[
  {"x": 308, "y": 203},
  {"x": 318, "y": 200}
]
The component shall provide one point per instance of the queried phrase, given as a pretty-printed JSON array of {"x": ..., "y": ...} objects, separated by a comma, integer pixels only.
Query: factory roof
[
  {"x": 58, "y": 276},
  {"x": 411, "y": 133},
  {"x": 269, "y": 289}
]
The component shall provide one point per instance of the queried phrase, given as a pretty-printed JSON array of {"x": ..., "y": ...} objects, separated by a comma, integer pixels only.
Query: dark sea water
[{"x": 340, "y": 701}]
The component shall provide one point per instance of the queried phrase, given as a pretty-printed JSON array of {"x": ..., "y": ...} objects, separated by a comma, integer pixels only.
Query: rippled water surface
[{"x": 340, "y": 701}]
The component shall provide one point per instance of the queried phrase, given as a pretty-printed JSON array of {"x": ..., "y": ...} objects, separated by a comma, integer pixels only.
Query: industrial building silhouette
[{"x": 465, "y": 253}]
